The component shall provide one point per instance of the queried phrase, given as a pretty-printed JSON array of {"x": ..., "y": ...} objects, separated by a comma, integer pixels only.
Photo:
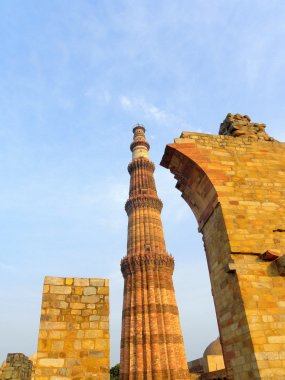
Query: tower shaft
[{"x": 152, "y": 346}]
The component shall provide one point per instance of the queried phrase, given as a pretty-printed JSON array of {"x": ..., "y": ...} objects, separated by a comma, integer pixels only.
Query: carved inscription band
[
  {"x": 142, "y": 201},
  {"x": 131, "y": 264},
  {"x": 141, "y": 163}
]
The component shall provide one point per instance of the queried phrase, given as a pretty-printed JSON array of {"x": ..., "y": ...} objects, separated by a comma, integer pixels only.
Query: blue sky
[{"x": 75, "y": 77}]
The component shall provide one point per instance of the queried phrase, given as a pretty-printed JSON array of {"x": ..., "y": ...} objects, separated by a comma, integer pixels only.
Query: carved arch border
[{"x": 196, "y": 187}]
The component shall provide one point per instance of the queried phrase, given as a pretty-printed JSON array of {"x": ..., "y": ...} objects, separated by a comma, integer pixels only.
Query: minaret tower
[{"x": 152, "y": 346}]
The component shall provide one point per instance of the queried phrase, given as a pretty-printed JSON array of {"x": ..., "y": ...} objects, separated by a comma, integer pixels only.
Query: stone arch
[
  {"x": 196, "y": 188},
  {"x": 231, "y": 190},
  {"x": 200, "y": 194}
]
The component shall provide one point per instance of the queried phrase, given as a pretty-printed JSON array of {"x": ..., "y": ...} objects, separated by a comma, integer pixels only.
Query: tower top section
[
  {"x": 139, "y": 146},
  {"x": 139, "y": 126}
]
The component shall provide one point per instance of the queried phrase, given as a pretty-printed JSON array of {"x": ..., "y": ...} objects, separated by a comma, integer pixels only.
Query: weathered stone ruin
[
  {"x": 235, "y": 185},
  {"x": 238, "y": 125},
  {"x": 17, "y": 367}
]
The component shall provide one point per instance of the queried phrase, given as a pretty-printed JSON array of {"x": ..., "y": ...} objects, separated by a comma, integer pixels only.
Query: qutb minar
[{"x": 152, "y": 345}]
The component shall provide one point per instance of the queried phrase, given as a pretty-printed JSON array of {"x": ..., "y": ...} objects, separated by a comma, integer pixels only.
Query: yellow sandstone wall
[
  {"x": 235, "y": 185},
  {"x": 74, "y": 330}
]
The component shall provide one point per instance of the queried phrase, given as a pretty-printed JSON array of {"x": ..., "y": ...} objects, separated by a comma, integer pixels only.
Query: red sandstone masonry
[{"x": 151, "y": 345}]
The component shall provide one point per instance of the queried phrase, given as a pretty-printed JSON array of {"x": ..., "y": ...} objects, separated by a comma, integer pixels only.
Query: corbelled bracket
[
  {"x": 269, "y": 255},
  {"x": 280, "y": 263},
  {"x": 279, "y": 260}
]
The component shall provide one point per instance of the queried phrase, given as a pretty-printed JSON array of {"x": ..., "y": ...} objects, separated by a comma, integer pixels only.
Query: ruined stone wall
[
  {"x": 215, "y": 375},
  {"x": 235, "y": 185},
  {"x": 17, "y": 367},
  {"x": 74, "y": 330}
]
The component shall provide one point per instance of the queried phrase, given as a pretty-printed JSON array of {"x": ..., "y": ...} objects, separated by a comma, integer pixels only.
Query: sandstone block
[
  {"x": 90, "y": 290},
  {"x": 68, "y": 281},
  {"x": 90, "y": 299},
  {"x": 78, "y": 291},
  {"x": 54, "y": 281},
  {"x": 97, "y": 282},
  {"x": 93, "y": 334},
  {"x": 104, "y": 325},
  {"x": 81, "y": 281},
  {"x": 57, "y": 345},
  {"x": 77, "y": 305},
  {"x": 87, "y": 344},
  {"x": 276, "y": 339},
  {"x": 60, "y": 289},
  {"x": 101, "y": 344},
  {"x": 47, "y": 362},
  {"x": 103, "y": 290}
]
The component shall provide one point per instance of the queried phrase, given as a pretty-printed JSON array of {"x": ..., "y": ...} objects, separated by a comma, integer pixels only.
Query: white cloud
[
  {"x": 155, "y": 112},
  {"x": 139, "y": 105},
  {"x": 149, "y": 110},
  {"x": 125, "y": 102}
]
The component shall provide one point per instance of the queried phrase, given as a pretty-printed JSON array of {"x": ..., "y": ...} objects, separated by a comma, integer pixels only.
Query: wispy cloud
[
  {"x": 126, "y": 102},
  {"x": 138, "y": 105},
  {"x": 150, "y": 110}
]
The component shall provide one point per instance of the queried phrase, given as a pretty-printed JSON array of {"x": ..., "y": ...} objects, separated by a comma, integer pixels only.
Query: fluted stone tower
[{"x": 152, "y": 346}]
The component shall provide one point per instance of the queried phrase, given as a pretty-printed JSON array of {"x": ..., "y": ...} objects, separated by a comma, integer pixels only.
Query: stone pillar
[
  {"x": 74, "y": 330},
  {"x": 17, "y": 367},
  {"x": 152, "y": 345},
  {"x": 235, "y": 186}
]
